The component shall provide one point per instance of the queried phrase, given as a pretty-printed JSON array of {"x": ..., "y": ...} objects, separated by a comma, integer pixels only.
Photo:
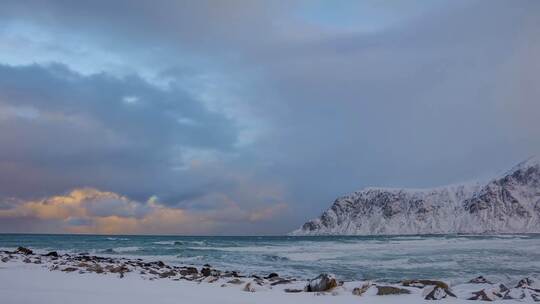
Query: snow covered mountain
[{"x": 509, "y": 203}]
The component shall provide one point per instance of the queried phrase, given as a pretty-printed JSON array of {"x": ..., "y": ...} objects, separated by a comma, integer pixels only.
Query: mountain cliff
[{"x": 509, "y": 203}]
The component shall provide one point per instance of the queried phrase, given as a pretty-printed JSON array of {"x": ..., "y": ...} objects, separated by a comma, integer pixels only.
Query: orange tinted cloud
[{"x": 89, "y": 210}]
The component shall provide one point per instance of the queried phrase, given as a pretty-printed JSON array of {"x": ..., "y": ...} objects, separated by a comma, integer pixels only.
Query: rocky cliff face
[{"x": 507, "y": 204}]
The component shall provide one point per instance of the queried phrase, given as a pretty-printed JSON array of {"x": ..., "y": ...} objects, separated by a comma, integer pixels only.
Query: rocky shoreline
[{"x": 480, "y": 288}]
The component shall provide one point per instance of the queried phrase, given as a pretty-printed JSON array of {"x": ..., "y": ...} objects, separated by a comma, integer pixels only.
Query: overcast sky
[{"x": 251, "y": 117}]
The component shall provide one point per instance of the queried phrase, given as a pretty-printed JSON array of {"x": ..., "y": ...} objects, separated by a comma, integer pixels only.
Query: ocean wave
[
  {"x": 177, "y": 243},
  {"x": 275, "y": 258},
  {"x": 120, "y": 250},
  {"x": 117, "y": 239}
]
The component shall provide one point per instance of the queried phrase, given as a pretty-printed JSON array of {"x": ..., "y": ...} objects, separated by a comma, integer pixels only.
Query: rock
[
  {"x": 69, "y": 269},
  {"x": 292, "y": 290},
  {"x": 119, "y": 269},
  {"x": 514, "y": 294},
  {"x": 167, "y": 274},
  {"x": 188, "y": 271},
  {"x": 480, "y": 280},
  {"x": 211, "y": 279},
  {"x": 424, "y": 283},
  {"x": 160, "y": 264},
  {"x": 529, "y": 283},
  {"x": 483, "y": 295},
  {"x": 390, "y": 290},
  {"x": 281, "y": 281},
  {"x": 438, "y": 289},
  {"x": 53, "y": 254},
  {"x": 358, "y": 291},
  {"x": 24, "y": 251},
  {"x": 272, "y": 275},
  {"x": 249, "y": 287},
  {"x": 490, "y": 294},
  {"x": 503, "y": 289},
  {"x": 323, "y": 282},
  {"x": 236, "y": 281},
  {"x": 437, "y": 293},
  {"x": 95, "y": 268},
  {"x": 5, "y": 259},
  {"x": 206, "y": 271},
  {"x": 27, "y": 260}
]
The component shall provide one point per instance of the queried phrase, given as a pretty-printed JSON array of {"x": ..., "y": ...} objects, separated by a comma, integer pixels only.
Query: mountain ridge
[{"x": 508, "y": 203}]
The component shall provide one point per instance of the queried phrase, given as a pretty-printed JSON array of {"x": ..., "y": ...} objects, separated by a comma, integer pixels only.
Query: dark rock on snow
[
  {"x": 480, "y": 280},
  {"x": 390, "y": 290},
  {"x": 53, "y": 254},
  {"x": 24, "y": 251},
  {"x": 323, "y": 282},
  {"x": 358, "y": 291}
]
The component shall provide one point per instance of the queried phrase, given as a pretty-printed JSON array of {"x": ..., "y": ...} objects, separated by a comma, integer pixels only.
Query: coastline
[{"x": 28, "y": 277}]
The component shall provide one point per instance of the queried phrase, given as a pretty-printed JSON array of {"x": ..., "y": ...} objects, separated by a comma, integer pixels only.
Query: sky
[{"x": 251, "y": 117}]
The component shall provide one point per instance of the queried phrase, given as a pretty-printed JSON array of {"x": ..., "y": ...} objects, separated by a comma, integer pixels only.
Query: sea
[{"x": 454, "y": 258}]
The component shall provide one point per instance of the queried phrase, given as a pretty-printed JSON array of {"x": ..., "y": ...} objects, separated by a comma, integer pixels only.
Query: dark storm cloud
[
  {"x": 97, "y": 129},
  {"x": 255, "y": 103}
]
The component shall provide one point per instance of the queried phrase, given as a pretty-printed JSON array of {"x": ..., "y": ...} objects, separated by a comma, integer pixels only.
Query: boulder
[
  {"x": 480, "y": 280},
  {"x": 52, "y": 254},
  {"x": 69, "y": 269},
  {"x": 483, "y": 295},
  {"x": 95, "y": 268},
  {"x": 437, "y": 293},
  {"x": 167, "y": 274},
  {"x": 210, "y": 279},
  {"x": 281, "y": 281},
  {"x": 206, "y": 271},
  {"x": 391, "y": 290},
  {"x": 188, "y": 271},
  {"x": 249, "y": 287},
  {"x": 229, "y": 274},
  {"x": 272, "y": 275},
  {"x": 424, "y": 283},
  {"x": 514, "y": 294},
  {"x": 24, "y": 251},
  {"x": 323, "y": 282},
  {"x": 529, "y": 283},
  {"x": 292, "y": 290},
  {"x": 490, "y": 294},
  {"x": 5, "y": 259},
  {"x": 358, "y": 291},
  {"x": 119, "y": 269},
  {"x": 160, "y": 264},
  {"x": 236, "y": 281}
]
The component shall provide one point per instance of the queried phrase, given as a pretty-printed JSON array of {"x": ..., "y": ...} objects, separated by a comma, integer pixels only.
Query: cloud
[
  {"x": 229, "y": 111},
  {"x": 62, "y": 123},
  {"x": 89, "y": 210}
]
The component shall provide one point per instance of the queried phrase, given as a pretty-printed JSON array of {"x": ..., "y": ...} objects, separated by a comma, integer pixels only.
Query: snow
[
  {"x": 506, "y": 204},
  {"x": 28, "y": 283}
]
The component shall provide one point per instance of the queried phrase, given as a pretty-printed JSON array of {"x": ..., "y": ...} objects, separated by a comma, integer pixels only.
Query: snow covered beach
[{"x": 27, "y": 277}]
